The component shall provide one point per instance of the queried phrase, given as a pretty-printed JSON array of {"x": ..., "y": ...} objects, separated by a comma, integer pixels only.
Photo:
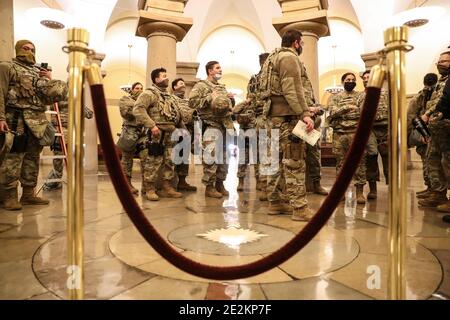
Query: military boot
[
  {"x": 424, "y": 195},
  {"x": 220, "y": 188},
  {"x": 302, "y": 214},
  {"x": 168, "y": 191},
  {"x": 435, "y": 198},
  {"x": 372, "y": 190},
  {"x": 183, "y": 185},
  {"x": 151, "y": 192},
  {"x": 360, "y": 195},
  {"x": 444, "y": 207},
  {"x": 318, "y": 189},
  {"x": 211, "y": 192},
  {"x": 29, "y": 198},
  {"x": 423, "y": 191},
  {"x": 10, "y": 200},
  {"x": 132, "y": 188},
  {"x": 240, "y": 186},
  {"x": 279, "y": 207}
]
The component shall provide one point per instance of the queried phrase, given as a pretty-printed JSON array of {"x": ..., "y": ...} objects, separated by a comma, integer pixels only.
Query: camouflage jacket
[
  {"x": 342, "y": 118},
  {"x": 307, "y": 87},
  {"x": 63, "y": 107},
  {"x": 200, "y": 99},
  {"x": 126, "y": 104},
  {"x": 156, "y": 107},
  {"x": 245, "y": 114},
  {"x": 382, "y": 115},
  {"x": 21, "y": 88},
  {"x": 437, "y": 94},
  {"x": 416, "y": 108},
  {"x": 281, "y": 80},
  {"x": 188, "y": 115}
]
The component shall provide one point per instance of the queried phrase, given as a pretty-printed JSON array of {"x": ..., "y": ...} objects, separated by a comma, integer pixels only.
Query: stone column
[
  {"x": 90, "y": 128},
  {"x": 370, "y": 59},
  {"x": 188, "y": 71},
  {"x": 162, "y": 25},
  {"x": 7, "y": 34},
  {"x": 309, "y": 17}
]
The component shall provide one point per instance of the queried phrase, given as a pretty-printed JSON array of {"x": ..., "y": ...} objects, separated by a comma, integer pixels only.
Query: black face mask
[
  {"x": 443, "y": 71},
  {"x": 349, "y": 86},
  {"x": 299, "y": 50}
]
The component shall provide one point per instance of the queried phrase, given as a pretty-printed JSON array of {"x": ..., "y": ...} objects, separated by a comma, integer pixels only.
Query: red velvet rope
[{"x": 150, "y": 234}]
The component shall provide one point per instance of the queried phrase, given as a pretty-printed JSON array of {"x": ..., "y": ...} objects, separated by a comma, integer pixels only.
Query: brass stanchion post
[
  {"x": 77, "y": 48},
  {"x": 396, "y": 39}
]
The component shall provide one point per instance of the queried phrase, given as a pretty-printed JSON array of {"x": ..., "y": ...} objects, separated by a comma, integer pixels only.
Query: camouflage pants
[
  {"x": 57, "y": 171},
  {"x": 439, "y": 156},
  {"x": 261, "y": 124},
  {"x": 341, "y": 144},
  {"x": 290, "y": 174},
  {"x": 422, "y": 152},
  {"x": 242, "y": 168},
  {"x": 313, "y": 162},
  {"x": 23, "y": 167},
  {"x": 214, "y": 170},
  {"x": 378, "y": 142},
  {"x": 153, "y": 165}
]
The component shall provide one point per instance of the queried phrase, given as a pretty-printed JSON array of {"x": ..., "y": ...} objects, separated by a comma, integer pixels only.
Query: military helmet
[
  {"x": 6, "y": 142},
  {"x": 221, "y": 105}
]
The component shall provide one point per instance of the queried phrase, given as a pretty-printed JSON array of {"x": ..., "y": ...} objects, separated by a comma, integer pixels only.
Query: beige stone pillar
[
  {"x": 90, "y": 129},
  {"x": 7, "y": 33},
  {"x": 188, "y": 71},
  {"x": 370, "y": 59},
  {"x": 162, "y": 25},
  {"x": 309, "y": 17}
]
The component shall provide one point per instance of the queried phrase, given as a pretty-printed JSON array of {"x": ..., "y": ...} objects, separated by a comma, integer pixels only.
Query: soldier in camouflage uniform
[
  {"x": 131, "y": 131},
  {"x": 25, "y": 92},
  {"x": 281, "y": 83},
  {"x": 312, "y": 152},
  {"x": 417, "y": 108},
  {"x": 438, "y": 152},
  {"x": 58, "y": 164},
  {"x": 187, "y": 115},
  {"x": 343, "y": 118},
  {"x": 378, "y": 141},
  {"x": 213, "y": 104},
  {"x": 156, "y": 109}
]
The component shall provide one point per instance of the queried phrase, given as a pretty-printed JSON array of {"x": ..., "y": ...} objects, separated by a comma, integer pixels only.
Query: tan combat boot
[
  {"x": 168, "y": 191},
  {"x": 211, "y": 192},
  {"x": 318, "y": 189},
  {"x": 302, "y": 214},
  {"x": 10, "y": 200},
  {"x": 183, "y": 185},
  {"x": 444, "y": 207},
  {"x": 360, "y": 195},
  {"x": 435, "y": 198},
  {"x": 29, "y": 198},
  {"x": 279, "y": 207},
  {"x": 372, "y": 190},
  {"x": 423, "y": 191},
  {"x": 151, "y": 192},
  {"x": 220, "y": 188},
  {"x": 134, "y": 191},
  {"x": 240, "y": 186}
]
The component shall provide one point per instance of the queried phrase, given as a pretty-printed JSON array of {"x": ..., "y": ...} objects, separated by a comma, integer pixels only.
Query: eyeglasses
[{"x": 442, "y": 62}]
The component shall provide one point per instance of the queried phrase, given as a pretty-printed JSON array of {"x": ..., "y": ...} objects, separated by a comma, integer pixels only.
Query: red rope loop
[{"x": 158, "y": 243}]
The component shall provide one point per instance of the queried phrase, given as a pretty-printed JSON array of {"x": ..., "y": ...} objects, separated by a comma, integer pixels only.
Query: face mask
[
  {"x": 26, "y": 57},
  {"x": 164, "y": 83},
  {"x": 179, "y": 93},
  {"x": 136, "y": 94},
  {"x": 217, "y": 76},
  {"x": 443, "y": 71},
  {"x": 299, "y": 50},
  {"x": 349, "y": 86}
]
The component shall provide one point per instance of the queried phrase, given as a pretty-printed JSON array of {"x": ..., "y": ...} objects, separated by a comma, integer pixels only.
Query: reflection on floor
[{"x": 346, "y": 260}]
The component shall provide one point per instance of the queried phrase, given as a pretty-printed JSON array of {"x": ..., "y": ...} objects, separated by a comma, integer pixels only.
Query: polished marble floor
[{"x": 346, "y": 260}]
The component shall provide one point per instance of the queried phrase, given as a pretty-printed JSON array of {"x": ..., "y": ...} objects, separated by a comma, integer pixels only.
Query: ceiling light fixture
[
  {"x": 334, "y": 89},
  {"x": 418, "y": 16},
  {"x": 127, "y": 87}
]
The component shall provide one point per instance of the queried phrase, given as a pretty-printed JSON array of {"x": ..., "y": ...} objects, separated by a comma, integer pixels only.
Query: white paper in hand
[{"x": 310, "y": 137}]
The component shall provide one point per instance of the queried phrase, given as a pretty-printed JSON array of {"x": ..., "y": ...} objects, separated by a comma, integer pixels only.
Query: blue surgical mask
[{"x": 217, "y": 76}]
